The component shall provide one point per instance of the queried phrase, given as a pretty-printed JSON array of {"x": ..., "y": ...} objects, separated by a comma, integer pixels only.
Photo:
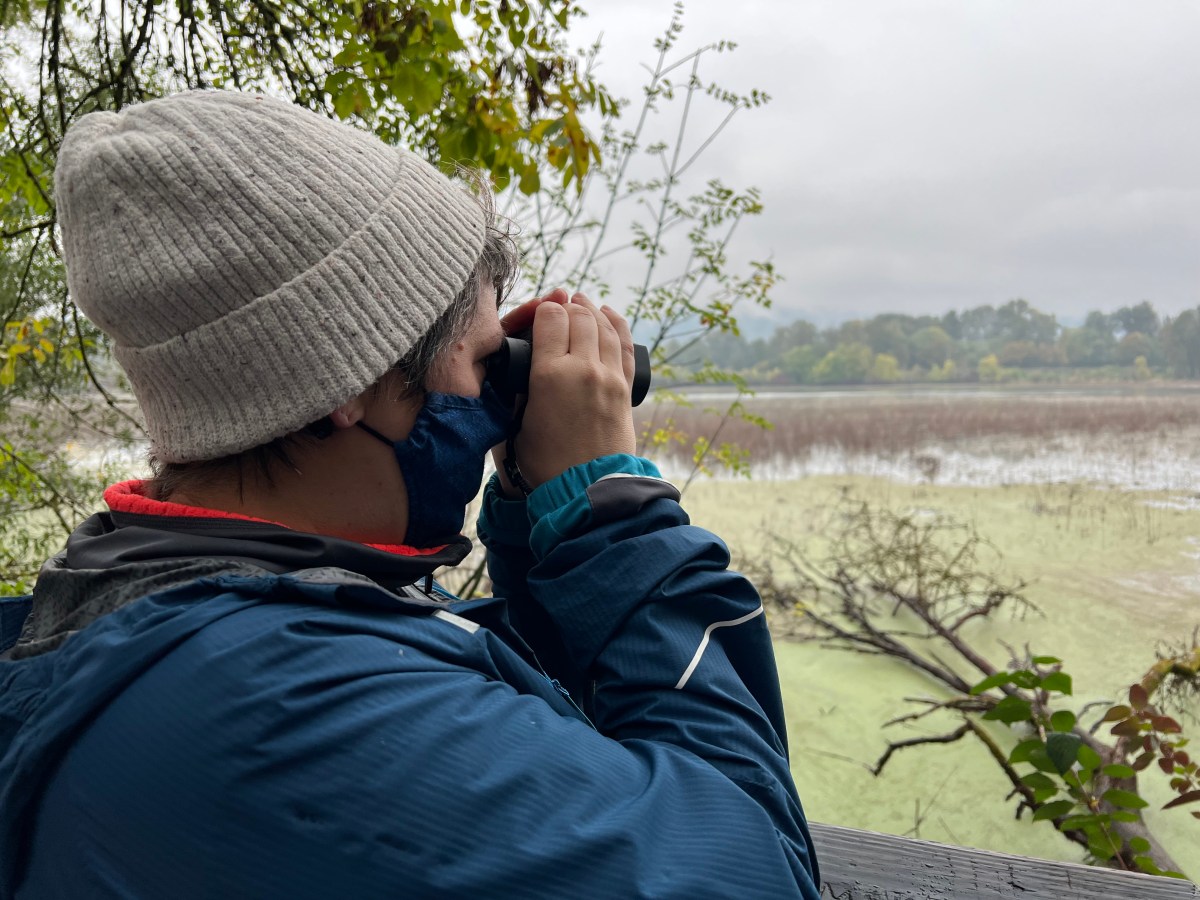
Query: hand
[{"x": 578, "y": 406}]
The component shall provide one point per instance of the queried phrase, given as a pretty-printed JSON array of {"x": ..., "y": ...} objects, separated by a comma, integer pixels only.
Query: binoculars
[{"x": 508, "y": 369}]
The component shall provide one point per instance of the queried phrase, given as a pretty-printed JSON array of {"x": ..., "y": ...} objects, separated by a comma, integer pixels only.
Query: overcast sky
[{"x": 923, "y": 155}]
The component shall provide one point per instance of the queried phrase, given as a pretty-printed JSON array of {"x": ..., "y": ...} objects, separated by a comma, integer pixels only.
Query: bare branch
[{"x": 894, "y": 746}]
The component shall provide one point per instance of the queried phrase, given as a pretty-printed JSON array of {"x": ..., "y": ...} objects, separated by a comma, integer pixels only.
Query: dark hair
[{"x": 496, "y": 267}]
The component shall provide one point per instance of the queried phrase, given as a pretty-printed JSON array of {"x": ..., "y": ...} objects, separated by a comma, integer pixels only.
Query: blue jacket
[{"x": 205, "y": 708}]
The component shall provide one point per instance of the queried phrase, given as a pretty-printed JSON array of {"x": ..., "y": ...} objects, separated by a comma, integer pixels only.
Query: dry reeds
[{"x": 897, "y": 423}]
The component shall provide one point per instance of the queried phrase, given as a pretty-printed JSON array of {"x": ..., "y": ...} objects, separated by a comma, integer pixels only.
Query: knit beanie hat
[{"x": 255, "y": 264}]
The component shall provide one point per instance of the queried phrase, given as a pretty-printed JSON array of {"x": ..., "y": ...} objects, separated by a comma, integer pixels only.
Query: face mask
[{"x": 441, "y": 460}]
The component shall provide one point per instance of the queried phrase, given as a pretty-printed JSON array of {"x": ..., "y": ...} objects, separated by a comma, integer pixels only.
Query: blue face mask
[{"x": 441, "y": 460}]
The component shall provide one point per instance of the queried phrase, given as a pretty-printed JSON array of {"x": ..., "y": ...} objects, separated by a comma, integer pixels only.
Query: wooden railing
[{"x": 863, "y": 865}]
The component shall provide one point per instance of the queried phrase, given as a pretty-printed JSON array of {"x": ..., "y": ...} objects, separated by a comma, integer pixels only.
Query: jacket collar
[{"x": 140, "y": 529}]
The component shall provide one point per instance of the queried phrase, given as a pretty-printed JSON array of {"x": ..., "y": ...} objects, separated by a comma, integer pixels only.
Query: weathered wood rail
[{"x": 863, "y": 865}]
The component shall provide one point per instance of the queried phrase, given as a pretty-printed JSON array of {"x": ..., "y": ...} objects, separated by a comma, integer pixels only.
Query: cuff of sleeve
[
  {"x": 502, "y": 522},
  {"x": 561, "y": 506}
]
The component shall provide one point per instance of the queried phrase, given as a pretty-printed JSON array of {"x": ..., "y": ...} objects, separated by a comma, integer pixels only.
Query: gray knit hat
[{"x": 255, "y": 264}]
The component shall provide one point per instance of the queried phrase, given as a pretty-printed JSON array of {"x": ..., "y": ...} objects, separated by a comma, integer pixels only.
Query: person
[{"x": 242, "y": 681}]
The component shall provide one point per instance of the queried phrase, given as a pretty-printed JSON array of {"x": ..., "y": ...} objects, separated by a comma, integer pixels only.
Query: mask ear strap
[
  {"x": 511, "y": 469},
  {"x": 373, "y": 433}
]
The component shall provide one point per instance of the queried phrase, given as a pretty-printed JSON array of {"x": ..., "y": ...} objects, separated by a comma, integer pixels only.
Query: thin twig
[{"x": 893, "y": 746}]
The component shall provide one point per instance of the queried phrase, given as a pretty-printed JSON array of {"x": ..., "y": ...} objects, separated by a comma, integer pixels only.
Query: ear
[{"x": 350, "y": 412}]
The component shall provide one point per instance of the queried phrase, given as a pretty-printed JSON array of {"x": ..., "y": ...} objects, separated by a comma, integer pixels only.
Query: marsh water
[
  {"x": 1133, "y": 438},
  {"x": 1090, "y": 496}
]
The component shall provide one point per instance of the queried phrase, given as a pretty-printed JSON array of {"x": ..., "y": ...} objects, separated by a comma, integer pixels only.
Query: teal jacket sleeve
[
  {"x": 503, "y": 529},
  {"x": 658, "y": 636}
]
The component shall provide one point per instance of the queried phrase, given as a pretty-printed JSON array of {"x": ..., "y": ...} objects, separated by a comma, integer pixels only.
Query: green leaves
[
  {"x": 1053, "y": 682},
  {"x": 1063, "y": 720},
  {"x": 1024, "y": 751},
  {"x": 1009, "y": 710},
  {"x": 1059, "y": 682},
  {"x": 1042, "y": 785},
  {"x": 349, "y": 94},
  {"x": 992, "y": 681},
  {"x": 1062, "y": 750},
  {"x": 1102, "y": 846},
  {"x": 1127, "y": 799},
  {"x": 1066, "y": 785},
  {"x": 1053, "y": 810},
  {"x": 1089, "y": 760}
]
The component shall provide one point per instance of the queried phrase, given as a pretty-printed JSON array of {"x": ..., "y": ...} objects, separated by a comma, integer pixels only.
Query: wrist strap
[{"x": 511, "y": 469}]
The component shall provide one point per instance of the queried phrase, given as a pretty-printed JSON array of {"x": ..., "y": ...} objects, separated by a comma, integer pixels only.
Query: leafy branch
[{"x": 909, "y": 589}]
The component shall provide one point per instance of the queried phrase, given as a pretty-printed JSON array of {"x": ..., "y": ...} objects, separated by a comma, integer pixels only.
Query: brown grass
[{"x": 899, "y": 423}]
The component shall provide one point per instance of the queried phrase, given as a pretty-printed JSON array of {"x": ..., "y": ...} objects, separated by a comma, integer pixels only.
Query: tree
[
  {"x": 673, "y": 255},
  {"x": 493, "y": 83},
  {"x": 852, "y": 332},
  {"x": 1102, "y": 343},
  {"x": 1084, "y": 347},
  {"x": 798, "y": 363},
  {"x": 952, "y": 324},
  {"x": 1181, "y": 343},
  {"x": 1016, "y": 320},
  {"x": 723, "y": 349},
  {"x": 931, "y": 346},
  {"x": 887, "y": 334},
  {"x": 1027, "y": 354},
  {"x": 912, "y": 589},
  {"x": 1132, "y": 346},
  {"x": 978, "y": 324},
  {"x": 786, "y": 337},
  {"x": 885, "y": 369},
  {"x": 1141, "y": 319},
  {"x": 989, "y": 369},
  {"x": 847, "y": 364},
  {"x": 947, "y": 371}
]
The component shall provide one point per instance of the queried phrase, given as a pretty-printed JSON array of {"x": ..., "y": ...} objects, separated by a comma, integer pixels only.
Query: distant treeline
[{"x": 987, "y": 343}]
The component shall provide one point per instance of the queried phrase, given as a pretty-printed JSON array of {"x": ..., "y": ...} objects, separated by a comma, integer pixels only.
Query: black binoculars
[{"x": 508, "y": 369}]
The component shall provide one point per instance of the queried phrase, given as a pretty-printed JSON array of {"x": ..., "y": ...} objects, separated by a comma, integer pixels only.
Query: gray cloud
[{"x": 923, "y": 155}]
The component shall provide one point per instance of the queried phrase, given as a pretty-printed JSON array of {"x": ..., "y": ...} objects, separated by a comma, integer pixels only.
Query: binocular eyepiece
[{"x": 508, "y": 369}]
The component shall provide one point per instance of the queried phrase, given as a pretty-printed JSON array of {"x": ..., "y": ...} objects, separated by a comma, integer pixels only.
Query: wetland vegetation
[{"x": 1090, "y": 497}]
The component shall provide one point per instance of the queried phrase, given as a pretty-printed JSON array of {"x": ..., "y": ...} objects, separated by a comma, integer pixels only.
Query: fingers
[
  {"x": 624, "y": 341},
  {"x": 584, "y": 329},
  {"x": 607, "y": 335},
  {"x": 521, "y": 318},
  {"x": 576, "y": 327},
  {"x": 551, "y": 332},
  {"x": 578, "y": 404}
]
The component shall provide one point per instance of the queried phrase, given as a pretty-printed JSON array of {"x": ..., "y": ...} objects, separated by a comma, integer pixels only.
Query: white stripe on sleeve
[{"x": 704, "y": 643}]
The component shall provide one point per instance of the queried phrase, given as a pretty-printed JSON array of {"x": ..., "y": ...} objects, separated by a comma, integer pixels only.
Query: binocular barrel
[{"x": 508, "y": 370}]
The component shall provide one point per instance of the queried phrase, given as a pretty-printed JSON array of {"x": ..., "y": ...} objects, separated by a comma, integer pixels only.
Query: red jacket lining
[{"x": 130, "y": 497}]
